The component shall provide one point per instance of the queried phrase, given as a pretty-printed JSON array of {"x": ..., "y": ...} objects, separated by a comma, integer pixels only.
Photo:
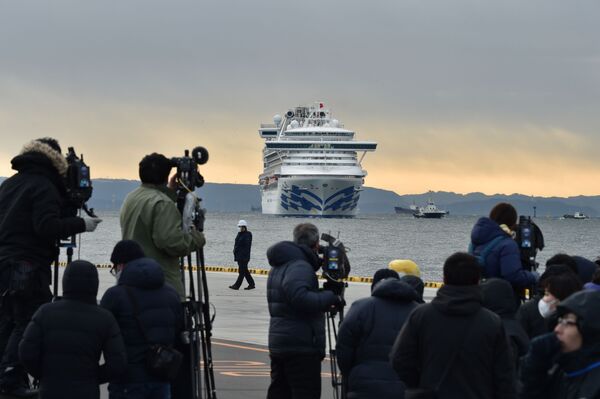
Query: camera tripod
[
  {"x": 198, "y": 326},
  {"x": 337, "y": 381}
]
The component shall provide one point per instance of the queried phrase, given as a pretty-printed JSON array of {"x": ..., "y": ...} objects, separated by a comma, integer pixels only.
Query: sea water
[{"x": 373, "y": 240}]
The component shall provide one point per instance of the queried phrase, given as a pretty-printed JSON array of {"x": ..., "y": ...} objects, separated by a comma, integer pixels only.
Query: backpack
[{"x": 483, "y": 254}]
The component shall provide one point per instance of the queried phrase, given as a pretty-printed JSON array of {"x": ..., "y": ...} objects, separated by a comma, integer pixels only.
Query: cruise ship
[{"x": 312, "y": 165}]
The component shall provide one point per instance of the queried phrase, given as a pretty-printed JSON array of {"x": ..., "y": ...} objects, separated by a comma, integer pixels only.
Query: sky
[{"x": 461, "y": 95}]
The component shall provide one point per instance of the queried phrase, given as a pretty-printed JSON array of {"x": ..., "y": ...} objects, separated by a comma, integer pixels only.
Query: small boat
[
  {"x": 430, "y": 211},
  {"x": 576, "y": 215}
]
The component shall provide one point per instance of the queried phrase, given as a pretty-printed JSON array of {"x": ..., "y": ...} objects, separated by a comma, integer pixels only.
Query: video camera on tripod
[
  {"x": 78, "y": 184},
  {"x": 529, "y": 239},
  {"x": 336, "y": 268},
  {"x": 198, "y": 321}
]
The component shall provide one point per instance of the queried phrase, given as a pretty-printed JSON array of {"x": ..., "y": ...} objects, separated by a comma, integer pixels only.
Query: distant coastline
[{"x": 226, "y": 197}]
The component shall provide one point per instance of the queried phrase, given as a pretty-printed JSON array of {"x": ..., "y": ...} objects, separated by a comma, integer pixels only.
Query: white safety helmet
[{"x": 242, "y": 223}]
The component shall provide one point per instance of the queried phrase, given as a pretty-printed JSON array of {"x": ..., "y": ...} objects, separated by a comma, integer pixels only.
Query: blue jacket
[
  {"x": 296, "y": 306},
  {"x": 366, "y": 337},
  {"x": 504, "y": 261},
  {"x": 159, "y": 310}
]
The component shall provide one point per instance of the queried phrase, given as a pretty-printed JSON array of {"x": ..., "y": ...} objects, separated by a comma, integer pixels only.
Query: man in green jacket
[{"x": 150, "y": 216}]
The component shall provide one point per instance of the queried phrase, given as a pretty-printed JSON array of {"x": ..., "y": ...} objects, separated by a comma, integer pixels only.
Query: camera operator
[
  {"x": 32, "y": 220},
  {"x": 492, "y": 239},
  {"x": 297, "y": 308},
  {"x": 150, "y": 216}
]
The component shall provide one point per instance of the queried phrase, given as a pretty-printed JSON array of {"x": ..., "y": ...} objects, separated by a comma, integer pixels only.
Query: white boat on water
[
  {"x": 430, "y": 211},
  {"x": 576, "y": 215},
  {"x": 312, "y": 165}
]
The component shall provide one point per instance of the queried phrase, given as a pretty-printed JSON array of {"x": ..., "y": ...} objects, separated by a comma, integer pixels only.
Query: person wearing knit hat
[
  {"x": 63, "y": 344},
  {"x": 124, "y": 252},
  {"x": 31, "y": 222}
]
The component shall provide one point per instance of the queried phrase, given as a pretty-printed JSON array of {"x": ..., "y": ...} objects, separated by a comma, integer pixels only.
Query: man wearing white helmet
[{"x": 241, "y": 254}]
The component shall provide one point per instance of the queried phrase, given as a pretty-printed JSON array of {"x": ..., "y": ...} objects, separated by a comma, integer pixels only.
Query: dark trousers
[
  {"x": 15, "y": 314},
  {"x": 295, "y": 377},
  {"x": 243, "y": 273}
]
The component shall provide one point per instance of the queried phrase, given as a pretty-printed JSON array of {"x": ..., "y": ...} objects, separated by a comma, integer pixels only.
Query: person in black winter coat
[
  {"x": 504, "y": 258},
  {"x": 158, "y": 309},
  {"x": 366, "y": 337},
  {"x": 453, "y": 345},
  {"x": 297, "y": 309},
  {"x": 65, "y": 340},
  {"x": 32, "y": 219},
  {"x": 499, "y": 297},
  {"x": 241, "y": 254},
  {"x": 565, "y": 364}
]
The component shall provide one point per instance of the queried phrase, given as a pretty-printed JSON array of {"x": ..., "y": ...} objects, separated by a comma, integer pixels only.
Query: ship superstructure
[{"x": 312, "y": 165}]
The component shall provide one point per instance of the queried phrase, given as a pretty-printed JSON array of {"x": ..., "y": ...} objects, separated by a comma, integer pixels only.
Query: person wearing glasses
[{"x": 566, "y": 363}]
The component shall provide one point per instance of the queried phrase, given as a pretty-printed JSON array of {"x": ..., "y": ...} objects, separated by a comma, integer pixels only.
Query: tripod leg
[{"x": 209, "y": 374}]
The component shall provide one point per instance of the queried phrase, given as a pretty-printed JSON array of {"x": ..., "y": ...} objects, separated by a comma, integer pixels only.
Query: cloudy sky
[{"x": 461, "y": 95}]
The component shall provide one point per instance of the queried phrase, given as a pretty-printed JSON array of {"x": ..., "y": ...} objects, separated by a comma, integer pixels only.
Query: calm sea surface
[{"x": 374, "y": 240}]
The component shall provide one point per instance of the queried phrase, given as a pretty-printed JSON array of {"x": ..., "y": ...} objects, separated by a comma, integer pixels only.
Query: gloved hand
[
  {"x": 544, "y": 347},
  {"x": 339, "y": 303},
  {"x": 91, "y": 223}
]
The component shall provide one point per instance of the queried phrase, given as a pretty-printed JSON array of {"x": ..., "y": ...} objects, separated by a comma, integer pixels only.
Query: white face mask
[
  {"x": 118, "y": 275},
  {"x": 546, "y": 309}
]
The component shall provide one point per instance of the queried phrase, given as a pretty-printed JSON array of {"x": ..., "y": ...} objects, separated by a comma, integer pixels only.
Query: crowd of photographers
[{"x": 478, "y": 338}]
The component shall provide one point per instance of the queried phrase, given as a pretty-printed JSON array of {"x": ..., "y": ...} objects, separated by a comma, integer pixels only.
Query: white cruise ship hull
[{"x": 312, "y": 196}]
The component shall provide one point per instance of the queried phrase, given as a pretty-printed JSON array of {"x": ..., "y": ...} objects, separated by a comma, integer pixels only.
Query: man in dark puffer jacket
[
  {"x": 65, "y": 339},
  {"x": 32, "y": 219},
  {"x": 159, "y": 310},
  {"x": 297, "y": 309},
  {"x": 366, "y": 337},
  {"x": 454, "y": 345}
]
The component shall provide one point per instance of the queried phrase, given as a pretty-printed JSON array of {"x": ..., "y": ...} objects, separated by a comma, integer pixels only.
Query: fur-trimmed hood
[{"x": 58, "y": 161}]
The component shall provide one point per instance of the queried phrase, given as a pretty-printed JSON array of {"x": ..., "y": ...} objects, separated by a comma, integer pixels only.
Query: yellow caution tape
[{"x": 229, "y": 269}]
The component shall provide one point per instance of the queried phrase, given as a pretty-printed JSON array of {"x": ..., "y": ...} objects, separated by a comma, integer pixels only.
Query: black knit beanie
[{"x": 125, "y": 251}]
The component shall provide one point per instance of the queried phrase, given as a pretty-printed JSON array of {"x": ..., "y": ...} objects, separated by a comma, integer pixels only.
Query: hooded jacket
[
  {"x": 504, "y": 260},
  {"x": 159, "y": 310},
  {"x": 31, "y": 208},
  {"x": 482, "y": 367},
  {"x": 296, "y": 306},
  {"x": 548, "y": 373},
  {"x": 499, "y": 297},
  {"x": 65, "y": 340},
  {"x": 366, "y": 337},
  {"x": 150, "y": 216}
]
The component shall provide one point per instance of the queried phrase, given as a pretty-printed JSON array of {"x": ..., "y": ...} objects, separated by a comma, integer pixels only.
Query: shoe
[
  {"x": 250, "y": 287},
  {"x": 233, "y": 287}
]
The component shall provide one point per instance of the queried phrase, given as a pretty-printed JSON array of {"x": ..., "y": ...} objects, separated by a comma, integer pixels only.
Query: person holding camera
[
  {"x": 150, "y": 217},
  {"x": 33, "y": 208},
  {"x": 149, "y": 313},
  {"x": 241, "y": 254},
  {"x": 297, "y": 308},
  {"x": 64, "y": 342},
  {"x": 492, "y": 239}
]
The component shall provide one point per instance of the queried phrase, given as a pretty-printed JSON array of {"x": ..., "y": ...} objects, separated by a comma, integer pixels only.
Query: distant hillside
[{"x": 110, "y": 193}]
